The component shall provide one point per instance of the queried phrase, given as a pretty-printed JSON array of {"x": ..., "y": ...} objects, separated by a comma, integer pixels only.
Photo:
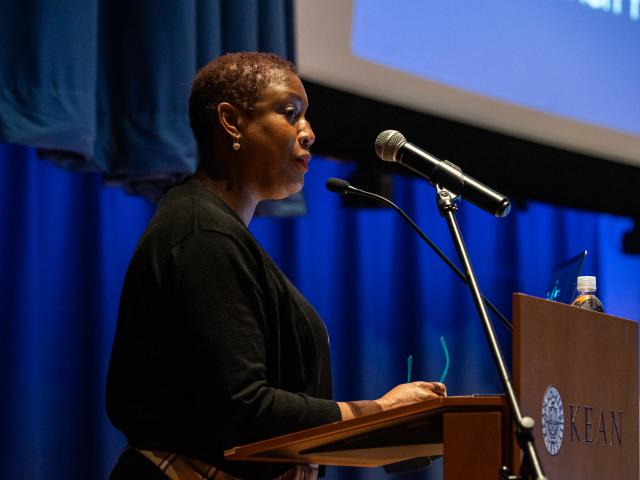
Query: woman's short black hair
[{"x": 237, "y": 78}]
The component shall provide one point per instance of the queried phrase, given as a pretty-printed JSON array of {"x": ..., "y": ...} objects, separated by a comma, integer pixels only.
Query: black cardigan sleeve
[{"x": 220, "y": 288}]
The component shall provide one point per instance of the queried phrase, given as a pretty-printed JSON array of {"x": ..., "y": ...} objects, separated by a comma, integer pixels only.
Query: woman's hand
[
  {"x": 404, "y": 394},
  {"x": 408, "y": 393}
]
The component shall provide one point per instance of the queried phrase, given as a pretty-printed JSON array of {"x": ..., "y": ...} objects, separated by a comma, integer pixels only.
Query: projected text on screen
[{"x": 616, "y": 7}]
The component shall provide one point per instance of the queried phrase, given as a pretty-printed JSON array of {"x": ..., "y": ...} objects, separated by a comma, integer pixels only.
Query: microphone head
[
  {"x": 388, "y": 143},
  {"x": 337, "y": 185}
]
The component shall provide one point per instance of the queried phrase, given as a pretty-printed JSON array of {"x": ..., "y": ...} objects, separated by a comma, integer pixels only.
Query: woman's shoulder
[
  {"x": 190, "y": 207},
  {"x": 187, "y": 217}
]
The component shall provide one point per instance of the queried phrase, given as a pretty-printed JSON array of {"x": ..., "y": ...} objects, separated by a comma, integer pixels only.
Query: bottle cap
[{"x": 586, "y": 284}]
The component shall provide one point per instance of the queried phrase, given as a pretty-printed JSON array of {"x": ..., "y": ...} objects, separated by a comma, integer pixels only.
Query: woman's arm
[{"x": 224, "y": 305}]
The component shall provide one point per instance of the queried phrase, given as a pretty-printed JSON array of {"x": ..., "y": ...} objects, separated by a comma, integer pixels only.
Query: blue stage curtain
[
  {"x": 103, "y": 85},
  {"x": 66, "y": 241}
]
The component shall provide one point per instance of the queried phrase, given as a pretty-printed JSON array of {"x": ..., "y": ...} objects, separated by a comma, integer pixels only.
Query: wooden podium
[
  {"x": 588, "y": 361},
  {"x": 575, "y": 373},
  {"x": 473, "y": 433}
]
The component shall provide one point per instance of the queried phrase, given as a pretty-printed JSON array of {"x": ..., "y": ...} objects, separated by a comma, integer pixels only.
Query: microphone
[
  {"x": 391, "y": 146},
  {"x": 342, "y": 187},
  {"x": 339, "y": 186}
]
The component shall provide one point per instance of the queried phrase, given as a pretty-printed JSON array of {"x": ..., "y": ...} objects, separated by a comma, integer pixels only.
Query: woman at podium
[{"x": 214, "y": 346}]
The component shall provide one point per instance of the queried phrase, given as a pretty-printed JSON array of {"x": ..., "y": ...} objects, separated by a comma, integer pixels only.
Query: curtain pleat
[{"x": 48, "y": 75}]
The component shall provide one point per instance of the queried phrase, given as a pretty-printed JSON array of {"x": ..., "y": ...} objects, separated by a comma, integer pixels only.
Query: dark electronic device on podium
[{"x": 562, "y": 284}]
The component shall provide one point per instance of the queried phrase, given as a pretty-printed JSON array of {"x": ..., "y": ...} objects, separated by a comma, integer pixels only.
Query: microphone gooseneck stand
[
  {"x": 531, "y": 468},
  {"x": 343, "y": 187}
]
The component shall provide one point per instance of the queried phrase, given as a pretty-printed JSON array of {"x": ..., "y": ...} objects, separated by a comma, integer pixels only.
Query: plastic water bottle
[{"x": 586, "y": 298}]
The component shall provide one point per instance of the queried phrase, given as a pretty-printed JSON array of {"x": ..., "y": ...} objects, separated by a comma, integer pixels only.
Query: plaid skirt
[{"x": 158, "y": 465}]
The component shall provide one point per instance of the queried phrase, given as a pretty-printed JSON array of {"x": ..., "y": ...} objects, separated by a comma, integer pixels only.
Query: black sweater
[{"x": 214, "y": 346}]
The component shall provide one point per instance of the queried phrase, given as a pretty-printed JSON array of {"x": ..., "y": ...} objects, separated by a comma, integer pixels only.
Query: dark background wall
[{"x": 347, "y": 125}]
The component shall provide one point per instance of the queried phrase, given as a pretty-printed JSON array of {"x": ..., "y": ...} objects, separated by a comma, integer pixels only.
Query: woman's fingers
[
  {"x": 437, "y": 388},
  {"x": 408, "y": 393}
]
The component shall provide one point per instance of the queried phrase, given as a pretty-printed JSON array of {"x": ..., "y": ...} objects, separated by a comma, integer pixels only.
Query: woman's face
[{"x": 276, "y": 139}]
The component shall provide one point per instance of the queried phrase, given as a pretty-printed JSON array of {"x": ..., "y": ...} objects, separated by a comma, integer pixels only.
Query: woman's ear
[{"x": 229, "y": 117}]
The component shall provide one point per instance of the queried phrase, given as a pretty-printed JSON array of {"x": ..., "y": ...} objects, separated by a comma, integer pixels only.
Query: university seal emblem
[{"x": 552, "y": 420}]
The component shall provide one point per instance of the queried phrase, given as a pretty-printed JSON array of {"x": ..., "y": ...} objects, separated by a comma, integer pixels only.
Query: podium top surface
[
  {"x": 526, "y": 301},
  {"x": 368, "y": 440}
]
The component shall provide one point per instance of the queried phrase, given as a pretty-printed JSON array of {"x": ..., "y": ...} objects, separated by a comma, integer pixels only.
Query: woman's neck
[{"x": 237, "y": 198}]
